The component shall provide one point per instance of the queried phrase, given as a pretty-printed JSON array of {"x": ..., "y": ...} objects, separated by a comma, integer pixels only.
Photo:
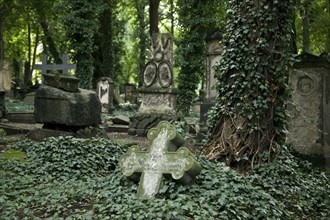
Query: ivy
[
  {"x": 195, "y": 19},
  {"x": 46, "y": 186},
  {"x": 252, "y": 81},
  {"x": 80, "y": 26}
]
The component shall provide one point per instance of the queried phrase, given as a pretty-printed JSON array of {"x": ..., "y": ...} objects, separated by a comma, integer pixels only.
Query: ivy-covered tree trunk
[
  {"x": 195, "y": 19},
  {"x": 80, "y": 22},
  {"x": 248, "y": 122}
]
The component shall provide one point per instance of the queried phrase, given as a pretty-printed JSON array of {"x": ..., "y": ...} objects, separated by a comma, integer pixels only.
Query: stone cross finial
[{"x": 158, "y": 160}]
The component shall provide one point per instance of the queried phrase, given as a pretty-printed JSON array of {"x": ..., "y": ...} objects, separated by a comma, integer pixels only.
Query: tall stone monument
[
  {"x": 309, "y": 121},
  {"x": 158, "y": 93}
]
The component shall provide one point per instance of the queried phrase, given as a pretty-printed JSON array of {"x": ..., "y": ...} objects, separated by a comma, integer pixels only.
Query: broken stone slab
[
  {"x": 65, "y": 82},
  {"x": 55, "y": 106},
  {"x": 121, "y": 119}
]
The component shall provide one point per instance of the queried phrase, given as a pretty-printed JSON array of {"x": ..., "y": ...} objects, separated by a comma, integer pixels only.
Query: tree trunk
[
  {"x": 49, "y": 44},
  {"x": 2, "y": 54},
  {"x": 248, "y": 122},
  {"x": 172, "y": 16},
  {"x": 153, "y": 16},
  {"x": 305, "y": 14},
  {"x": 140, "y": 6},
  {"x": 107, "y": 40}
]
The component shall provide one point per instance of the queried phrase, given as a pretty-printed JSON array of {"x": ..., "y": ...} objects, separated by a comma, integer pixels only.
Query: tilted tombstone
[
  {"x": 309, "y": 121},
  {"x": 105, "y": 92},
  {"x": 162, "y": 158}
]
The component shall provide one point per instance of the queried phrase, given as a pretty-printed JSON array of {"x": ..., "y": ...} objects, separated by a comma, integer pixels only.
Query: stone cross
[
  {"x": 158, "y": 160},
  {"x": 65, "y": 66}
]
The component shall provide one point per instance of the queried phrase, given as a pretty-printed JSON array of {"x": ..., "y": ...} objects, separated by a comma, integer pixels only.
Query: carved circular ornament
[
  {"x": 165, "y": 74},
  {"x": 305, "y": 85},
  {"x": 149, "y": 73}
]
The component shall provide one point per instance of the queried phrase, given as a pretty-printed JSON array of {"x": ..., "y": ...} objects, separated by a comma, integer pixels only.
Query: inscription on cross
[{"x": 162, "y": 158}]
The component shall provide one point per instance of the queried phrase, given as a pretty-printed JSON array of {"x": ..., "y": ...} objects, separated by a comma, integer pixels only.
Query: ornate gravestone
[
  {"x": 162, "y": 158},
  {"x": 309, "y": 121},
  {"x": 105, "y": 93},
  {"x": 158, "y": 94}
]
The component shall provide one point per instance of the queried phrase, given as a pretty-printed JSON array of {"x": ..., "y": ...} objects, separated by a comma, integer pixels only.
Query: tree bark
[
  {"x": 305, "y": 13},
  {"x": 153, "y": 16},
  {"x": 50, "y": 45},
  {"x": 140, "y": 6},
  {"x": 107, "y": 40}
]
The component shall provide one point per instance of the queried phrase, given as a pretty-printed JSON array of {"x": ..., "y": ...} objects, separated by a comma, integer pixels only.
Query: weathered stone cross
[{"x": 158, "y": 160}]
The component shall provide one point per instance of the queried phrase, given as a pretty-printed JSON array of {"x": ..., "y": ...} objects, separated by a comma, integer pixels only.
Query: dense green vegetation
[{"x": 69, "y": 178}]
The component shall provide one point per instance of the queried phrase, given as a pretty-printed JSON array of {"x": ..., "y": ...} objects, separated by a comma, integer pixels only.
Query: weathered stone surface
[
  {"x": 121, "y": 119},
  {"x": 309, "y": 121},
  {"x": 165, "y": 156},
  {"x": 55, "y": 106},
  {"x": 141, "y": 123},
  {"x": 105, "y": 93},
  {"x": 66, "y": 82}
]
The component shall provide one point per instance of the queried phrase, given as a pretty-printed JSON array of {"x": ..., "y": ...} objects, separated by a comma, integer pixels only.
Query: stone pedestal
[{"x": 309, "y": 121}]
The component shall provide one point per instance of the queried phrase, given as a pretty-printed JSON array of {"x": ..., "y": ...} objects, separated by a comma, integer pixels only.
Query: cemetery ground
[{"x": 79, "y": 178}]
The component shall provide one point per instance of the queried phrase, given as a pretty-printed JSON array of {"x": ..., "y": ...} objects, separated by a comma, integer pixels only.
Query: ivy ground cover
[{"x": 70, "y": 178}]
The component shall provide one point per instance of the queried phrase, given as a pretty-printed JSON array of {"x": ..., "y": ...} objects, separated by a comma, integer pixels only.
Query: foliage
[
  {"x": 80, "y": 24},
  {"x": 68, "y": 157},
  {"x": 296, "y": 183},
  {"x": 2, "y": 133},
  {"x": 18, "y": 106},
  {"x": 249, "y": 119},
  {"x": 284, "y": 189},
  {"x": 319, "y": 19},
  {"x": 195, "y": 19}
]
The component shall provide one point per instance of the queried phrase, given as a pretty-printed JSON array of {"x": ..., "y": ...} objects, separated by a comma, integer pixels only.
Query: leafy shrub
[{"x": 65, "y": 157}]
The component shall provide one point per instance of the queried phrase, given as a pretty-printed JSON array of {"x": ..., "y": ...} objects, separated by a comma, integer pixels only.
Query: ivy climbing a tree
[
  {"x": 195, "y": 19},
  {"x": 80, "y": 25},
  {"x": 248, "y": 122}
]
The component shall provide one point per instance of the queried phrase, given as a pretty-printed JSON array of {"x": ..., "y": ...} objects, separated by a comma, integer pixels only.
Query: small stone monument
[
  {"x": 213, "y": 56},
  {"x": 105, "y": 93},
  {"x": 158, "y": 93},
  {"x": 309, "y": 121},
  {"x": 162, "y": 158}
]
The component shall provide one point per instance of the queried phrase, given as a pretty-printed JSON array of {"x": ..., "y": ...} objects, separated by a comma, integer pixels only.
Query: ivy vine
[
  {"x": 195, "y": 19},
  {"x": 249, "y": 118}
]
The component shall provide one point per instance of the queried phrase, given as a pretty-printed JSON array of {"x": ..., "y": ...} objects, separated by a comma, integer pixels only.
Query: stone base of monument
[
  {"x": 55, "y": 107},
  {"x": 142, "y": 123}
]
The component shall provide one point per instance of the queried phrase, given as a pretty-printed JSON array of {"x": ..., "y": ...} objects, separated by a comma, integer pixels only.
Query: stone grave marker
[
  {"x": 65, "y": 66},
  {"x": 162, "y": 158},
  {"x": 309, "y": 121},
  {"x": 158, "y": 94},
  {"x": 105, "y": 92}
]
